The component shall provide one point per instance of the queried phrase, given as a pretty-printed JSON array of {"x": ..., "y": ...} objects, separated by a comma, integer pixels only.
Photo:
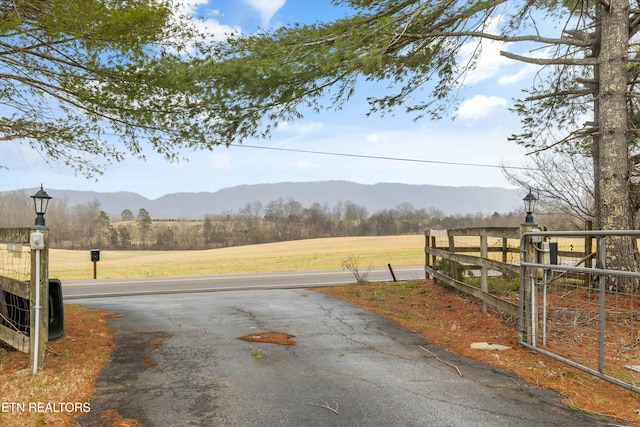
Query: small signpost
[{"x": 95, "y": 257}]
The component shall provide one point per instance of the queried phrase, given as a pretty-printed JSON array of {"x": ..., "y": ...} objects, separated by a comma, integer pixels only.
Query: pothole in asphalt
[{"x": 279, "y": 338}]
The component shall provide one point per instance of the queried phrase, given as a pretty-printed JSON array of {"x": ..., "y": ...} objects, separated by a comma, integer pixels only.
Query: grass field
[{"x": 295, "y": 255}]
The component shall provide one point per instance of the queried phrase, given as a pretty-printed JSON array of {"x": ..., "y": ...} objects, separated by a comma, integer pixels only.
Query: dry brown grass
[{"x": 72, "y": 364}]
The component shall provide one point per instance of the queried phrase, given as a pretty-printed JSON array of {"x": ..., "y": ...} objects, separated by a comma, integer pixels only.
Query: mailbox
[{"x": 95, "y": 255}]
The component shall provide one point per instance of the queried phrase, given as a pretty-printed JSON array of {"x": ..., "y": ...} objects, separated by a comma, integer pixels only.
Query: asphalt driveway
[{"x": 177, "y": 361}]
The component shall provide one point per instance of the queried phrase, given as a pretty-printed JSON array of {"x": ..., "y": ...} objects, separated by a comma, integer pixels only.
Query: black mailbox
[{"x": 95, "y": 255}]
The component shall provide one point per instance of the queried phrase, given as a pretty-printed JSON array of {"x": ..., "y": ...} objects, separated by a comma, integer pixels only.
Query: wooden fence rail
[
  {"x": 452, "y": 254},
  {"x": 446, "y": 250}
]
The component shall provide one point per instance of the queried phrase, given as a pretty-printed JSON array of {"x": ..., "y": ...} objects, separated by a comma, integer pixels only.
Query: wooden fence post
[
  {"x": 505, "y": 246},
  {"x": 453, "y": 265},
  {"x": 427, "y": 256},
  {"x": 484, "y": 271},
  {"x": 530, "y": 312},
  {"x": 433, "y": 257}
]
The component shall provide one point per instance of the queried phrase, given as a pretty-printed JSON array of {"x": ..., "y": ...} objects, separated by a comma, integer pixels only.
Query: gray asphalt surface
[
  {"x": 366, "y": 369},
  {"x": 73, "y": 289}
]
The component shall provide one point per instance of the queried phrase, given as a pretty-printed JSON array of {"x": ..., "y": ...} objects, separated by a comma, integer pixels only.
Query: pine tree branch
[{"x": 551, "y": 61}]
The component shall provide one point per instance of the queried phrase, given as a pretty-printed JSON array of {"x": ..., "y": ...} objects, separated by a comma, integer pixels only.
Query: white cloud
[
  {"x": 210, "y": 24},
  {"x": 518, "y": 76},
  {"x": 24, "y": 152},
  {"x": 305, "y": 165},
  {"x": 377, "y": 137},
  {"x": 217, "y": 30},
  {"x": 266, "y": 8},
  {"x": 480, "y": 106},
  {"x": 526, "y": 70},
  {"x": 301, "y": 128},
  {"x": 489, "y": 62},
  {"x": 220, "y": 161}
]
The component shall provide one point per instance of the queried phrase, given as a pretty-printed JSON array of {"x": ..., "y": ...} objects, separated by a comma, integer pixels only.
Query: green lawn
[{"x": 296, "y": 255}]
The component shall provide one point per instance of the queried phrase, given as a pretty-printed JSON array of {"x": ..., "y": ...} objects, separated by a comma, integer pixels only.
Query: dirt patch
[
  {"x": 149, "y": 362},
  {"x": 118, "y": 421},
  {"x": 455, "y": 321},
  {"x": 279, "y": 338}
]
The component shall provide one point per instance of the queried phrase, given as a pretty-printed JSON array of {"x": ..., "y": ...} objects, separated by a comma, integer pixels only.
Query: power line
[{"x": 363, "y": 156}]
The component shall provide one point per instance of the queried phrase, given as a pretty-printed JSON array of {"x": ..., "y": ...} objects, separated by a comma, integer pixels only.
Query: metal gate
[{"x": 567, "y": 311}]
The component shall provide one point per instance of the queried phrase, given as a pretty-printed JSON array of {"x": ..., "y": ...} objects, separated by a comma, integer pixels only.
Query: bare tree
[
  {"x": 16, "y": 209},
  {"x": 563, "y": 182},
  {"x": 250, "y": 216}
]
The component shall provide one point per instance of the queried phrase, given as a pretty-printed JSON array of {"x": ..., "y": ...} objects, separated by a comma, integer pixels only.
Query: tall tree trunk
[
  {"x": 596, "y": 117},
  {"x": 613, "y": 172}
]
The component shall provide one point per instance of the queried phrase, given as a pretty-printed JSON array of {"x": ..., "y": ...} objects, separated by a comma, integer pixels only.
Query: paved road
[
  {"x": 177, "y": 361},
  {"x": 224, "y": 282}
]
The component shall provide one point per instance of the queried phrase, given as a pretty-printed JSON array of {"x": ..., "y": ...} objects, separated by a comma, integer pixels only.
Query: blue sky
[{"x": 478, "y": 135}]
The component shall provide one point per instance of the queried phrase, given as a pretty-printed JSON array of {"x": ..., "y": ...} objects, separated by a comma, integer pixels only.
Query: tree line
[{"x": 86, "y": 226}]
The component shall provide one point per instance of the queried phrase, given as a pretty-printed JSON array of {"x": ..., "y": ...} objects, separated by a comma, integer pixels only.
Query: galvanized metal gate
[{"x": 568, "y": 313}]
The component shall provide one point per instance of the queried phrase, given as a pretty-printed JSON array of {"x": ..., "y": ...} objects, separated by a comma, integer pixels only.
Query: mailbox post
[{"x": 95, "y": 257}]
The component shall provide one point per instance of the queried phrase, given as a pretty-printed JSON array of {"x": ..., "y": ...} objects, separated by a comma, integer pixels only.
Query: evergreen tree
[
  {"x": 273, "y": 76},
  {"x": 77, "y": 73},
  {"x": 144, "y": 224}
]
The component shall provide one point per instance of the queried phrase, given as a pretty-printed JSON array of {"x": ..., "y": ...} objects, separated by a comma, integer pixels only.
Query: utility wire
[{"x": 363, "y": 156}]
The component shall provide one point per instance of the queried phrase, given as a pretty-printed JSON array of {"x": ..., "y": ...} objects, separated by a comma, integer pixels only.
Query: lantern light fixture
[
  {"x": 529, "y": 207},
  {"x": 40, "y": 202}
]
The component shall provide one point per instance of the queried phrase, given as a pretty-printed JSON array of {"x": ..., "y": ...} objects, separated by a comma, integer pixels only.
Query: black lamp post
[
  {"x": 40, "y": 202},
  {"x": 529, "y": 207}
]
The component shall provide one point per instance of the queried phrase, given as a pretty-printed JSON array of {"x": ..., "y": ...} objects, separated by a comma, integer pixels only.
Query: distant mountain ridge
[{"x": 374, "y": 197}]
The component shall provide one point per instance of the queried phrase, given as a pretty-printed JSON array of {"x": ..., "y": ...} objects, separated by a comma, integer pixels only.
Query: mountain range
[{"x": 374, "y": 197}]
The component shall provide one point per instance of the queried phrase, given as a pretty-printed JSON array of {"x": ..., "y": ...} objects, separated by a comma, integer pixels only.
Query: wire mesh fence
[
  {"x": 15, "y": 272},
  {"x": 15, "y": 261},
  {"x": 570, "y": 311}
]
